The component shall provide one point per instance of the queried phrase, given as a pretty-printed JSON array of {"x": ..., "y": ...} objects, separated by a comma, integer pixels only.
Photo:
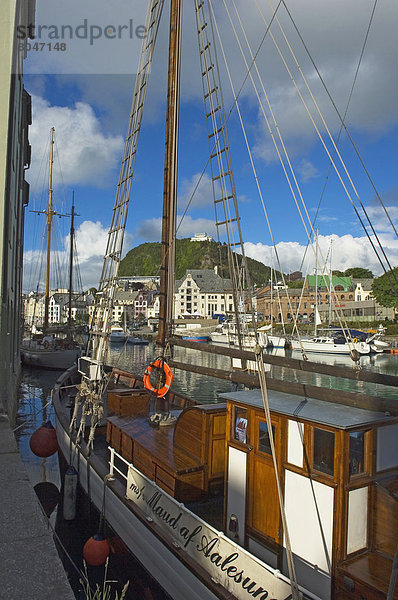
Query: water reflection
[
  {"x": 378, "y": 363},
  {"x": 33, "y": 410},
  {"x": 205, "y": 389}
]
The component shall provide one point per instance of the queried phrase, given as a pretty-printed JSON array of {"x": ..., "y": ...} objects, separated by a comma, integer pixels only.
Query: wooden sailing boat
[
  {"x": 51, "y": 348},
  {"x": 279, "y": 491}
]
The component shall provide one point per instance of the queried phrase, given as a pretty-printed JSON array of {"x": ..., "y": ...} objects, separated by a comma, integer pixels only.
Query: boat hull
[
  {"x": 329, "y": 347},
  {"x": 50, "y": 359},
  {"x": 155, "y": 557},
  {"x": 178, "y": 551}
]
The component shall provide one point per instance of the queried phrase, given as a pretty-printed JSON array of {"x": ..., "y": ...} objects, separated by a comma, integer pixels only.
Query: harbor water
[{"x": 34, "y": 409}]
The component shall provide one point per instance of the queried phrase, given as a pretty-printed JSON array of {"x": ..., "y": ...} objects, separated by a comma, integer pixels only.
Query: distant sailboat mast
[
  {"x": 50, "y": 213},
  {"x": 71, "y": 249}
]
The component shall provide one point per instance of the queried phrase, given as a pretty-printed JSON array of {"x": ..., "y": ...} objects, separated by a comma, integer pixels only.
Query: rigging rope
[
  {"x": 356, "y": 150},
  {"x": 283, "y": 147},
  {"x": 296, "y": 595},
  {"x": 343, "y": 119}
]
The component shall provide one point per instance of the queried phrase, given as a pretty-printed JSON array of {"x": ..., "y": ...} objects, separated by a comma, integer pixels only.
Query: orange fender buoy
[
  {"x": 96, "y": 550},
  {"x": 160, "y": 364},
  {"x": 43, "y": 441}
]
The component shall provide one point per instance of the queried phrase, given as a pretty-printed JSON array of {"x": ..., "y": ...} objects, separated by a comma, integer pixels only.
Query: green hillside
[{"x": 145, "y": 260}]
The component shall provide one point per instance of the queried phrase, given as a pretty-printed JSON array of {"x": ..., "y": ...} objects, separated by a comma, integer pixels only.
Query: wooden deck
[
  {"x": 364, "y": 577},
  {"x": 185, "y": 459}
]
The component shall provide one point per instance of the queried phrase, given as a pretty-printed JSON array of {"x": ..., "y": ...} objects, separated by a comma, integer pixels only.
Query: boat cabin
[{"x": 337, "y": 466}]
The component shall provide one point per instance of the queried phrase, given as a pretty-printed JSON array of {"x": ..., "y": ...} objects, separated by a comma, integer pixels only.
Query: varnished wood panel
[
  {"x": 218, "y": 425},
  {"x": 127, "y": 402},
  {"x": 189, "y": 486},
  {"x": 116, "y": 438},
  {"x": 108, "y": 432},
  {"x": 385, "y": 522},
  {"x": 264, "y": 505},
  {"x": 217, "y": 458},
  {"x": 165, "y": 480},
  {"x": 127, "y": 446},
  {"x": 364, "y": 578},
  {"x": 189, "y": 432},
  {"x": 143, "y": 461},
  {"x": 134, "y": 405}
]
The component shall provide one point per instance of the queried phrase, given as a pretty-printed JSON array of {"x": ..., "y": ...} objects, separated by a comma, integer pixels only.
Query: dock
[{"x": 30, "y": 565}]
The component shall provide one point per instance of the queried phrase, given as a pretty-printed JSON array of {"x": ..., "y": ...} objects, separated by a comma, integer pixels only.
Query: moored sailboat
[
  {"x": 52, "y": 347},
  {"x": 278, "y": 491}
]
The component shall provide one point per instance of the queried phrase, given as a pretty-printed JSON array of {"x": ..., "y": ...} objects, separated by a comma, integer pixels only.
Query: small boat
[
  {"x": 226, "y": 333},
  {"x": 196, "y": 338},
  {"x": 117, "y": 335},
  {"x": 137, "y": 340},
  {"x": 330, "y": 345}
]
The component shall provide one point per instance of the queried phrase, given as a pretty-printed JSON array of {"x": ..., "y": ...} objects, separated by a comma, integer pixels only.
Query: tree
[
  {"x": 359, "y": 273},
  {"x": 385, "y": 288}
]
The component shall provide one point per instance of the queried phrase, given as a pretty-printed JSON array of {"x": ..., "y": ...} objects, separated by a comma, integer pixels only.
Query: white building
[
  {"x": 362, "y": 289},
  {"x": 58, "y": 307},
  {"x": 202, "y": 237},
  {"x": 202, "y": 293}
]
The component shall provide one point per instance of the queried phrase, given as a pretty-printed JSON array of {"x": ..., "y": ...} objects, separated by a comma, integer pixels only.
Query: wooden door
[{"x": 264, "y": 512}]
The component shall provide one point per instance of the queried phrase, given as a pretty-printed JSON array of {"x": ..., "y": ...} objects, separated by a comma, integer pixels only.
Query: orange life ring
[
  {"x": 159, "y": 363},
  {"x": 46, "y": 345}
]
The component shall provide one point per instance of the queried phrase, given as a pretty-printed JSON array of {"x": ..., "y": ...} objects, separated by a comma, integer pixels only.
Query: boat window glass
[
  {"x": 357, "y": 452},
  {"x": 240, "y": 424},
  {"x": 323, "y": 451},
  {"x": 264, "y": 444}
]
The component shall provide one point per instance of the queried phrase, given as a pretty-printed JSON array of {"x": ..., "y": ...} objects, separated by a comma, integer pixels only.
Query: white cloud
[
  {"x": 90, "y": 239},
  {"x": 334, "y": 33},
  {"x": 381, "y": 222},
  {"x": 94, "y": 36},
  {"x": 197, "y": 191},
  {"x": 83, "y": 152},
  {"x": 307, "y": 171},
  {"x": 339, "y": 252}
]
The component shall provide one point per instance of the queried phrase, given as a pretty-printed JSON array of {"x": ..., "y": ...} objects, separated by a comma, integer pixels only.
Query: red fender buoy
[
  {"x": 96, "y": 550},
  {"x": 43, "y": 441}
]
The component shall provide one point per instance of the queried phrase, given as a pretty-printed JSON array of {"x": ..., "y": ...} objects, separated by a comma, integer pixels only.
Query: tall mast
[
  {"x": 50, "y": 214},
  {"x": 71, "y": 238},
  {"x": 170, "y": 174}
]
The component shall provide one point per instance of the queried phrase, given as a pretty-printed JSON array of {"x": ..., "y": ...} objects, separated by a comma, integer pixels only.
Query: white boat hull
[
  {"x": 329, "y": 347},
  {"x": 276, "y": 341}
]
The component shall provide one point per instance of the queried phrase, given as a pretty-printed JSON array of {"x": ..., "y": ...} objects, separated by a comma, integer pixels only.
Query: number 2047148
[{"x": 43, "y": 46}]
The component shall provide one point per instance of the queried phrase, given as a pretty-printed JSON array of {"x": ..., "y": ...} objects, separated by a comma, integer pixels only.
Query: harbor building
[{"x": 15, "y": 118}]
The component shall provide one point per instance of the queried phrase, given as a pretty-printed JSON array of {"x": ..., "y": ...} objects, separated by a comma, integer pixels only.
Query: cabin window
[
  {"x": 323, "y": 451},
  {"x": 357, "y": 452},
  {"x": 264, "y": 444},
  {"x": 240, "y": 424}
]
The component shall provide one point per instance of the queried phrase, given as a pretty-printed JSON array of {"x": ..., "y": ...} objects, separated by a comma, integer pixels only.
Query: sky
[{"x": 83, "y": 88}]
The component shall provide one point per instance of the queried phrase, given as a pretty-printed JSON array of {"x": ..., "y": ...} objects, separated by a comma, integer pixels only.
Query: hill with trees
[{"x": 145, "y": 260}]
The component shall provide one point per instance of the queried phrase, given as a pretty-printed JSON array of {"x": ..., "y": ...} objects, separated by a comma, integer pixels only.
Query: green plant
[{"x": 101, "y": 592}]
